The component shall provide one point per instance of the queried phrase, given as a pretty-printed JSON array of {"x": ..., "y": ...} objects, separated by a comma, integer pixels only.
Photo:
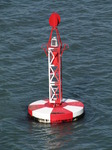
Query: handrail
[
  {"x": 44, "y": 47},
  {"x": 64, "y": 48}
]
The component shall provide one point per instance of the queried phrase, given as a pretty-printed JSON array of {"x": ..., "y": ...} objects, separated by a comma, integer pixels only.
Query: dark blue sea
[{"x": 86, "y": 26}]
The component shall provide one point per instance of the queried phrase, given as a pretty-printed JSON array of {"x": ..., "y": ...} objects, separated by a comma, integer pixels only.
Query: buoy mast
[{"x": 54, "y": 52}]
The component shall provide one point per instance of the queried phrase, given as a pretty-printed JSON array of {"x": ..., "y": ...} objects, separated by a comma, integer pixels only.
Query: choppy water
[{"x": 86, "y": 25}]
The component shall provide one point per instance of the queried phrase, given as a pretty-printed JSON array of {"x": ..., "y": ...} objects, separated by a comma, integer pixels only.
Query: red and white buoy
[{"x": 55, "y": 109}]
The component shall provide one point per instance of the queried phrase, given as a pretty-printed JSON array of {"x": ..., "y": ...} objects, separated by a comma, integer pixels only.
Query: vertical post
[
  {"x": 54, "y": 69},
  {"x": 54, "y": 52}
]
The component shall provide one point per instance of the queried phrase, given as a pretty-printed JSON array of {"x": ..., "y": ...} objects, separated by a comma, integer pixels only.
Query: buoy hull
[{"x": 43, "y": 111}]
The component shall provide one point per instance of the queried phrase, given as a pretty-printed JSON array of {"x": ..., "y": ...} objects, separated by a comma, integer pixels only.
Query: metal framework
[
  {"x": 54, "y": 52},
  {"x": 55, "y": 80}
]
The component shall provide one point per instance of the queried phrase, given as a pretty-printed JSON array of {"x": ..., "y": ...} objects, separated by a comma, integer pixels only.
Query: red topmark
[{"x": 54, "y": 20}]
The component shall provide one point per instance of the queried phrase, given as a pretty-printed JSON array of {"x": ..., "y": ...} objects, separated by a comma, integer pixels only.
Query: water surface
[{"x": 86, "y": 26}]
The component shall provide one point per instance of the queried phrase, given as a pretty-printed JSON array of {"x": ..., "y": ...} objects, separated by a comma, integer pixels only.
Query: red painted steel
[
  {"x": 58, "y": 114},
  {"x": 55, "y": 109},
  {"x": 54, "y": 19},
  {"x": 55, "y": 61}
]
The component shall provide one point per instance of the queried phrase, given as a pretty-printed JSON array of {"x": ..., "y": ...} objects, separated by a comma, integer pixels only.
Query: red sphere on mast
[{"x": 54, "y": 19}]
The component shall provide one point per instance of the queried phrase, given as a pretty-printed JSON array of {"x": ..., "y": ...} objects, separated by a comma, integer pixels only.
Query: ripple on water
[{"x": 86, "y": 28}]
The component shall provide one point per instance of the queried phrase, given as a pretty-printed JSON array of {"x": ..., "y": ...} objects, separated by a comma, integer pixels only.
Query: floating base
[{"x": 43, "y": 111}]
